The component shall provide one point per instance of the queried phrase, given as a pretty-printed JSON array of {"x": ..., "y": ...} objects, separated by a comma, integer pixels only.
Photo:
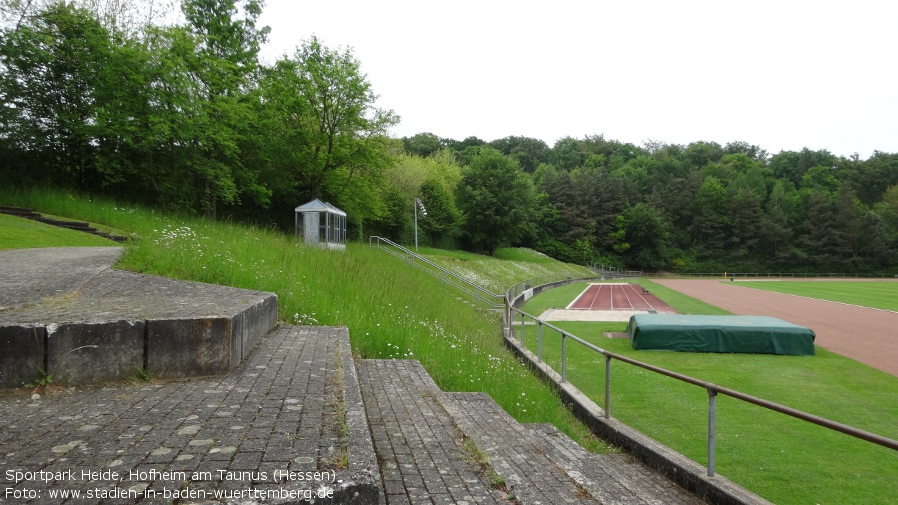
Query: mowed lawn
[
  {"x": 874, "y": 294},
  {"x": 784, "y": 460}
]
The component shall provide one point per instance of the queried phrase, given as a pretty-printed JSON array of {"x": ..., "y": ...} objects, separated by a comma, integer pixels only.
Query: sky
[{"x": 783, "y": 75}]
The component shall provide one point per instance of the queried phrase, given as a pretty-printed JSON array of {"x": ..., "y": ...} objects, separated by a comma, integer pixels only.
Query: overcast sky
[{"x": 779, "y": 74}]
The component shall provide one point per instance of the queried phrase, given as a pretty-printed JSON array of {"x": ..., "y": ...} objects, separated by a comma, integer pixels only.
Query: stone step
[
  {"x": 529, "y": 474},
  {"x": 420, "y": 451},
  {"x": 439, "y": 447},
  {"x": 74, "y": 225},
  {"x": 614, "y": 479},
  {"x": 4, "y": 208},
  {"x": 19, "y": 212}
]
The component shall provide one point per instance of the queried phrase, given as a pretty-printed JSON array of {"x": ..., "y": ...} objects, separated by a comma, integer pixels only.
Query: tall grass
[{"x": 390, "y": 309}]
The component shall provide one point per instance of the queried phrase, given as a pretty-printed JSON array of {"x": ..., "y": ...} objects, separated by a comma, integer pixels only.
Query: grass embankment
[
  {"x": 19, "y": 233},
  {"x": 391, "y": 310},
  {"x": 782, "y": 459}
]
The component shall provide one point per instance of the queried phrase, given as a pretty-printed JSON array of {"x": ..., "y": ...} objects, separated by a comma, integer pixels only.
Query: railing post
[
  {"x": 522, "y": 331},
  {"x": 607, "y": 387},
  {"x": 539, "y": 341},
  {"x": 563, "y": 358},
  {"x": 712, "y": 420}
]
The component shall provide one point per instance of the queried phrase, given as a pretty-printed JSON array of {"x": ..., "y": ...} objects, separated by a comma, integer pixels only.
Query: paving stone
[
  {"x": 398, "y": 395},
  {"x": 172, "y": 427}
]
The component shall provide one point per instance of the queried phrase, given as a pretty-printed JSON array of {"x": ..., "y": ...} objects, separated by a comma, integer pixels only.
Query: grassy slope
[
  {"x": 21, "y": 233},
  {"x": 391, "y": 310},
  {"x": 878, "y": 295},
  {"x": 784, "y": 460}
]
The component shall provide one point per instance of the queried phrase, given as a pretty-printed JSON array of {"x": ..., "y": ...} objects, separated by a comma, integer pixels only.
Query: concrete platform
[{"x": 66, "y": 313}]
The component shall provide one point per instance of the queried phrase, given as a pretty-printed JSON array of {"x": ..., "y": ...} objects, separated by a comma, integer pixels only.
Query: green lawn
[
  {"x": 875, "y": 294},
  {"x": 21, "y": 233},
  {"x": 782, "y": 459}
]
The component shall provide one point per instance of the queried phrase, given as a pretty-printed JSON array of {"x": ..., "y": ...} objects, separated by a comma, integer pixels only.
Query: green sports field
[
  {"x": 784, "y": 460},
  {"x": 875, "y": 294}
]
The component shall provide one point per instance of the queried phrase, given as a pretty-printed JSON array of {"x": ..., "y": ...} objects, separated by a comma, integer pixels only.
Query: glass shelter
[{"x": 321, "y": 224}]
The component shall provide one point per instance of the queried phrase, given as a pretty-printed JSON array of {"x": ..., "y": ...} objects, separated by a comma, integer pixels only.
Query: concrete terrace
[{"x": 243, "y": 410}]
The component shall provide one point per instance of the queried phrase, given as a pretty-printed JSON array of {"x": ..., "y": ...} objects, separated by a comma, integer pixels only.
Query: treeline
[{"x": 186, "y": 118}]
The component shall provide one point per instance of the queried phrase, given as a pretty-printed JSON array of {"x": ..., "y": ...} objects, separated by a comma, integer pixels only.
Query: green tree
[
  {"x": 227, "y": 49},
  {"x": 339, "y": 136},
  {"x": 711, "y": 223},
  {"x": 646, "y": 232},
  {"x": 51, "y": 75},
  {"x": 699, "y": 154},
  {"x": 846, "y": 226},
  {"x": 817, "y": 239},
  {"x": 443, "y": 217},
  {"x": 497, "y": 200},
  {"x": 422, "y": 144},
  {"x": 777, "y": 224},
  {"x": 745, "y": 218},
  {"x": 528, "y": 152}
]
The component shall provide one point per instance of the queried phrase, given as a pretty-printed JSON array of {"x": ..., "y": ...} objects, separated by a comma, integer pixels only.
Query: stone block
[
  {"x": 86, "y": 353},
  {"x": 189, "y": 347},
  {"x": 251, "y": 324},
  {"x": 21, "y": 354}
]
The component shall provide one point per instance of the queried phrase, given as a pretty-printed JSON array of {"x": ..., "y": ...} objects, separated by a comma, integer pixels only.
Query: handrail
[
  {"x": 479, "y": 293},
  {"x": 712, "y": 389}
]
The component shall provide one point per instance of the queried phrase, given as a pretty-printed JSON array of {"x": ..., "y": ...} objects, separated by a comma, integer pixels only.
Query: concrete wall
[{"x": 92, "y": 352}]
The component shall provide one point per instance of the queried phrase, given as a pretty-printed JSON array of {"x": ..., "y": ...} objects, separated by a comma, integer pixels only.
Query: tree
[
  {"x": 330, "y": 132},
  {"x": 699, "y": 154},
  {"x": 496, "y": 199},
  {"x": 51, "y": 74},
  {"x": 710, "y": 225},
  {"x": 226, "y": 56},
  {"x": 422, "y": 144},
  {"x": 443, "y": 217},
  {"x": 846, "y": 226},
  {"x": 817, "y": 237},
  {"x": 119, "y": 17},
  {"x": 528, "y": 152},
  {"x": 745, "y": 220},
  {"x": 646, "y": 232},
  {"x": 777, "y": 224}
]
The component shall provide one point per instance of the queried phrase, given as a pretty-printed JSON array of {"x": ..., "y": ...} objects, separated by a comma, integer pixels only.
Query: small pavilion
[{"x": 321, "y": 224}]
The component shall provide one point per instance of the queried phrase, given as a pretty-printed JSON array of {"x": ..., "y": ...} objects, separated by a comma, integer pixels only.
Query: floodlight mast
[{"x": 423, "y": 214}]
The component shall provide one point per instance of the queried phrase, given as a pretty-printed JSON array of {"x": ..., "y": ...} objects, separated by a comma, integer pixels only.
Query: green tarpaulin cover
[{"x": 745, "y": 334}]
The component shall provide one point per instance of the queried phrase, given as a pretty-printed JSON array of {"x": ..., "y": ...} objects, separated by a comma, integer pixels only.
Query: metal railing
[
  {"x": 712, "y": 389},
  {"x": 478, "y": 293}
]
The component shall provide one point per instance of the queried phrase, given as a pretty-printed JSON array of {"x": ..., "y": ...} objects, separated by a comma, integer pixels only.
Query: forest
[{"x": 105, "y": 99}]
